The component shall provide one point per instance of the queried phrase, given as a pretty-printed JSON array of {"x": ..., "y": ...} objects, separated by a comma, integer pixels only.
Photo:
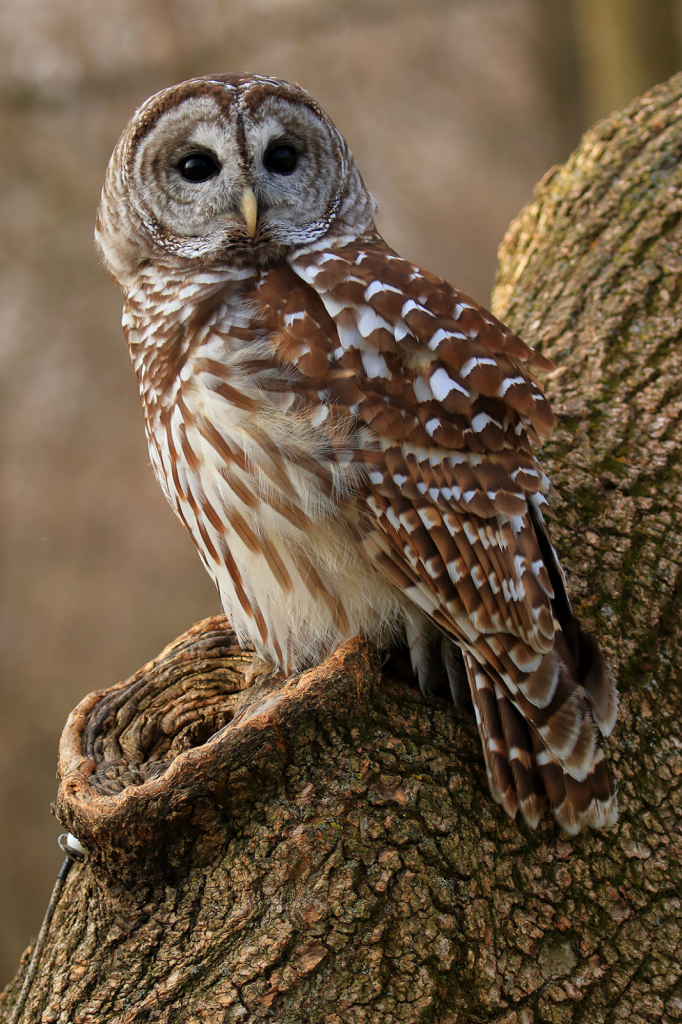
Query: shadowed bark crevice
[{"x": 324, "y": 848}]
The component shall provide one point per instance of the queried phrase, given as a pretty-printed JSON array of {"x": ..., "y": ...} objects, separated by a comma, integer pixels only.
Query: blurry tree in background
[
  {"x": 624, "y": 47},
  {"x": 454, "y": 109}
]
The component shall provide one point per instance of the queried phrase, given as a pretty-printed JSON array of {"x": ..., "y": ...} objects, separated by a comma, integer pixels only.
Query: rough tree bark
[{"x": 324, "y": 848}]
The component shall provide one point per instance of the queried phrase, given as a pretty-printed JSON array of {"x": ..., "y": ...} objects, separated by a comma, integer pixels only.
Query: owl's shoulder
[
  {"x": 425, "y": 306},
  {"x": 427, "y": 331}
]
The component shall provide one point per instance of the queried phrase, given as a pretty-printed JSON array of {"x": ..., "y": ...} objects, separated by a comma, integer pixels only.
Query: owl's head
[{"x": 237, "y": 169}]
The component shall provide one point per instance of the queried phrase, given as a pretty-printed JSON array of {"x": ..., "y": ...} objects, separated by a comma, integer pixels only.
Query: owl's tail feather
[
  {"x": 577, "y": 648},
  {"x": 520, "y": 744},
  {"x": 593, "y": 672},
  {"x": 539, "y": 729},
  {"x": 589, "y": 804},
  {"x": 507, "y": 749}
]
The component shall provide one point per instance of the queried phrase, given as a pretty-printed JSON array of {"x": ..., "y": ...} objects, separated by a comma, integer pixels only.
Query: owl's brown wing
[{"x": 448, "y": 394}]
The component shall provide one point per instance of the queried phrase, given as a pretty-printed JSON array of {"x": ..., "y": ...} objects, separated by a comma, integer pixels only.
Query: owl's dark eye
[
  {"x": 281, "y": 159},
  {"x": 198, "y": 167}
]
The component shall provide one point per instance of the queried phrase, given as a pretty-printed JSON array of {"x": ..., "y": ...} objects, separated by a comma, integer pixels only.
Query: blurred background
[{"x": 454, "y": 109}]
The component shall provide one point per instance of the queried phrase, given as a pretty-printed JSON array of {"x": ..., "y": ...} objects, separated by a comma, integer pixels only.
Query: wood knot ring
[{"x": 154, "y": 766}]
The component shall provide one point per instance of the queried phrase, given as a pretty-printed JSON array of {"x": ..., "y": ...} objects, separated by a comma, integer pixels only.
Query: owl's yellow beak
[{"x": 248, "y": 207}]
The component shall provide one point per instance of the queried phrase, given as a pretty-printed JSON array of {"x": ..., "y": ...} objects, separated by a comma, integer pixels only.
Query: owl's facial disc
[
  {"x": 297, "y": 169},
  {"x": 216, "y": 179},
  {"x": 235, "y": 169},
  {"x": 188, "y": 178}
]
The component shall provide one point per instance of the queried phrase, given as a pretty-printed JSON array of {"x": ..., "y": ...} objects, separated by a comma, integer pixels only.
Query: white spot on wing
[
  {"x": 374, "y": 364},
  {"x": 369, "y": 321},
  {"x": 429, "y": 517},
  {"x": 442, "y": 384},
  {"x": 507, "y": 383},
  {"x": 477, "y": 576},
  {"x": 334, "y": 306},
  {"x": 379, "y": 286},
  {"x": 441, "y": 335},
  {"x": 409, "y": 306},
  {"x": 459, "y": 308},
  {"x": 476, "y": 361},
  {"x": 454, "y": 572},
  {"x": 325, "y": 257},
  {"x": 348, "y": 336},
  {"x": 481, "y": 421},
  {"x": 422, "y": 391},
  {"x": 392, "y": 518},
  {"x": 525, "y": 470},
  {"x": 408, "y": 522}
]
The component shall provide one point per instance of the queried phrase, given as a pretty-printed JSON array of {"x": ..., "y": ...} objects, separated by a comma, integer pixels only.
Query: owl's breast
[{"x": 260, "y": 471}]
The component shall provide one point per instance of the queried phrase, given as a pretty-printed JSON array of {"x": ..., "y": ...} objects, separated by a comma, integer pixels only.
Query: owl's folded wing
[{"x": 447, "y": 393}]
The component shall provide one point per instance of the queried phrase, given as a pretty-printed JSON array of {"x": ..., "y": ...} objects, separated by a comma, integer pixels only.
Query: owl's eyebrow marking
[{"x": 240, "y": 132}]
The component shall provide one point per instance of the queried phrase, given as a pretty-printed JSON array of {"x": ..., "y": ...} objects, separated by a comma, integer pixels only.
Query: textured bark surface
[{"x": 331, "y": 854}]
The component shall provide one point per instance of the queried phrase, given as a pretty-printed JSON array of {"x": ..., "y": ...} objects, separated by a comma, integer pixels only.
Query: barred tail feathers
[{"x": 537, "y": 754}]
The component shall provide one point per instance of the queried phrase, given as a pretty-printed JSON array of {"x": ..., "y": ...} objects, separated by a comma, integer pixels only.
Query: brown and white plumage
[{"x": 346, "y": 437}]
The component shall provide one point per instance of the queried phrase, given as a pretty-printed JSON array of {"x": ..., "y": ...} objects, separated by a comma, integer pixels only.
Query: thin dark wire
[{"x": 40, "y": 941}]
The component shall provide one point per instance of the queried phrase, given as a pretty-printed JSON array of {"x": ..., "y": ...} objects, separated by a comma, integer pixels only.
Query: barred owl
[{"x": 346, "y": 437}]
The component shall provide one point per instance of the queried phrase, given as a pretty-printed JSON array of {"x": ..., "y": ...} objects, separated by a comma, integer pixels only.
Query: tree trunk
[{"x": 331, "y": 853}]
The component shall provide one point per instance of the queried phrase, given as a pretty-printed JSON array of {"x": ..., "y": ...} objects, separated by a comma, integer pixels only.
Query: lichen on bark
[{"x": 324, "y": 848}]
